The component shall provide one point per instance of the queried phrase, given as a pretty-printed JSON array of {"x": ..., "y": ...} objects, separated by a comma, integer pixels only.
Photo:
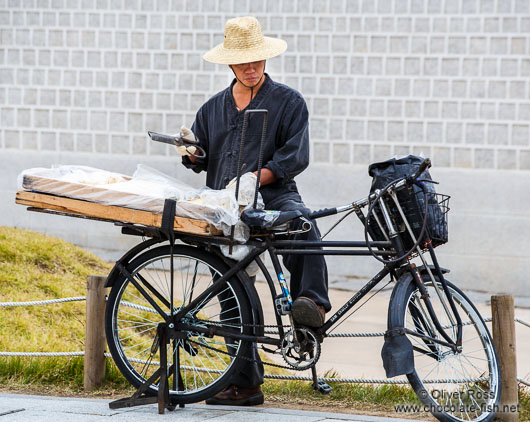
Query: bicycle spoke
[
  {"x": 201, "y": 366},
  {"x": 456, "y": 369}
]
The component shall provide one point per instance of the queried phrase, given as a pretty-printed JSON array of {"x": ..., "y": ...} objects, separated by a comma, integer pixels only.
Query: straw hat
[{"x": 244, "y": 43}]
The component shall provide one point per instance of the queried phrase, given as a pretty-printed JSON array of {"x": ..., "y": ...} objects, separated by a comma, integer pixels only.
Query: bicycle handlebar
[
  {"x": 425, "y": 164},
  {"x": 323, "y": 213}
]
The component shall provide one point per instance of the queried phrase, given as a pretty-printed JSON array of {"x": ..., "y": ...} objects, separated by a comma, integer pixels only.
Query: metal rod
[
  {"x": 323, "y": 244},
  {"x": 147, "y": 297},
  {"x": 386, "y": 216},
  {"x": 420, "y": 254},
  {"x": 330, "y": 252},
  {"x": 216, "y": 287},
  {"x": 260, "y": 156}
]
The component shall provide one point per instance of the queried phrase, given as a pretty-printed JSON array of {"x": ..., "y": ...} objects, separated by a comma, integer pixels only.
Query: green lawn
[{"x": 38, "y": 267}]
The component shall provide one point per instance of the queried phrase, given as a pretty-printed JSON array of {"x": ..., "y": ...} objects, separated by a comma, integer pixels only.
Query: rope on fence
[
  {"x": 525, "y": 382},
  {"x": 41, "y": 354},
  {"x": 147, "y": 309},
  {"x": 44, "y": 302},
  {"x": 520, "y": 321},
  {"x": 269, "y": 376},
  {"x": 272, "y": 376}
]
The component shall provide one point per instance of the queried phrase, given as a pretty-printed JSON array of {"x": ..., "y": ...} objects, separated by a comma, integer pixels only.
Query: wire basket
[
  {"x": 413, "y": 207},
  {"x": 436, "y": 227}
]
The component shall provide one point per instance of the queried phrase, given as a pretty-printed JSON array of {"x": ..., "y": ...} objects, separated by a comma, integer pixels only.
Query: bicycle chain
[
  {"x": 233, "y": 324},
  {"x": 275, "y": 365}
]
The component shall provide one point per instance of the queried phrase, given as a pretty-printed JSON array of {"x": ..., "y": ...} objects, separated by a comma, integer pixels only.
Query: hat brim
[{"x": 271, "y": 47}]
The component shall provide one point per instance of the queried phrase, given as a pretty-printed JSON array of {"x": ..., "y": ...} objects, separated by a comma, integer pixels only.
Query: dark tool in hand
[{"x": 192, "y": 147}]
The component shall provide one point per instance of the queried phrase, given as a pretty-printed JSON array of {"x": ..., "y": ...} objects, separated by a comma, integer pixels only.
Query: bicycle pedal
[
  {"x": 283, "y": 307},
  {"x": 322, "y": 387}
]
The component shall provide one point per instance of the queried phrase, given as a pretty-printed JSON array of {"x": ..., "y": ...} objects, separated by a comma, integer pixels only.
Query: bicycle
[{"x": 195, "y": 312}]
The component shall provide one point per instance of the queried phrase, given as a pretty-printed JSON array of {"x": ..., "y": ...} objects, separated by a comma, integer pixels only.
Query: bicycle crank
[{"x": 300, "y": 348}]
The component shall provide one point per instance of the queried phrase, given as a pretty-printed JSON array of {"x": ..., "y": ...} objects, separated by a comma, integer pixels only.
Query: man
[{"x": 218, "y": 126}]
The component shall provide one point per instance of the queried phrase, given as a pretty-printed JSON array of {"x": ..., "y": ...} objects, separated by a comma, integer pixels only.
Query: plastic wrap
[
  {"x": 259, "y": 218},
  {"x": 146, "y": 190},
  {"x": 247, "y": 186}
]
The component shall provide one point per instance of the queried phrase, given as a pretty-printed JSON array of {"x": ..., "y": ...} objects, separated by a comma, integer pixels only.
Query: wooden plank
[
  {"x": 121, "y": 214},
  {"x": 62, "y": 188}
]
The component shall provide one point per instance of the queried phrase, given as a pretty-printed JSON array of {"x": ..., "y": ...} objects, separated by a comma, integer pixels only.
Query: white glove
[{"x": 187, "y": 134}]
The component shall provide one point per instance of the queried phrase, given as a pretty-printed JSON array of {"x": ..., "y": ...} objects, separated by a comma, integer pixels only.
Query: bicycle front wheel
[
  {"x": 199, "y": 366},
  {"x": 462, "y": 386}
]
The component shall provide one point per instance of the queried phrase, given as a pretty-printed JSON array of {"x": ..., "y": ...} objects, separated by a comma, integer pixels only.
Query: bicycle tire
[
  {"x": 131, "y": 322},
  {"x": 453, "y": 400}
]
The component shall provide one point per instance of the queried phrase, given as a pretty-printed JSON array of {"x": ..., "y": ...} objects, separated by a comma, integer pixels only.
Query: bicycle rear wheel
[
  {"x": 462, "y": 386},
  {"x": 205, "y": 363}
]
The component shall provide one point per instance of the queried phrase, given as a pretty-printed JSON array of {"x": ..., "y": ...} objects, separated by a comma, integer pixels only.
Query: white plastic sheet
[{"x": 147, "y": 190}]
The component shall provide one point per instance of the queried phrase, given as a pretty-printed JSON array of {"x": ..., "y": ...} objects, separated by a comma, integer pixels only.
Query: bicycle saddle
[{"x": 268, "y": 219}]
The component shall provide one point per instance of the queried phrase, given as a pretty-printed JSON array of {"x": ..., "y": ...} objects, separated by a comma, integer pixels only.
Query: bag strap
[
  {"x": 167, "y": 228},
  {"x": 168, "y": 220}
]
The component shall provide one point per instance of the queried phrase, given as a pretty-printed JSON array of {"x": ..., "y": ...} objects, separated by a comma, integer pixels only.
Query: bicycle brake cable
[{"x": 336, "y": 224}]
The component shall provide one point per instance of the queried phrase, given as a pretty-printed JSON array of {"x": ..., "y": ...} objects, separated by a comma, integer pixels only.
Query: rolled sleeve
[{"x": 292, "y": 157}]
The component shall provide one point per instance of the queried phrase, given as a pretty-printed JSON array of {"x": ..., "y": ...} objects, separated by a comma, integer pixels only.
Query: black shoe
[
  {"x": 306, "y": 312},
  {"x": 236, "y": 396}
]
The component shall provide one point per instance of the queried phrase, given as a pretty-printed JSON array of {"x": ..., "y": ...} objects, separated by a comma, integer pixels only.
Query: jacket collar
[{"x": 263, "y": 91}]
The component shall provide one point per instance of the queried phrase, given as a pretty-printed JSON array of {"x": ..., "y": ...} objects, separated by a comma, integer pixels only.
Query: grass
[
  {"x": 36, "y": 267},
  {"x": 524, "y": 403},
  {"x": 367, "y": 397}
]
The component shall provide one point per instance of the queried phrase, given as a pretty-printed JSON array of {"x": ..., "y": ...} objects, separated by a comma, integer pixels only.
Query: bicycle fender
[
  {"x": 423, "y": 270},
  {"x": 128, "y": 257},
  {"x": 397, "y": 352}
]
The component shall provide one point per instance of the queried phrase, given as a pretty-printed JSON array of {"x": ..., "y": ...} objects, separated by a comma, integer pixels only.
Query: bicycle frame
[
  {"x": 275, "y": 248},
  {"x": 297, "y": 247}
]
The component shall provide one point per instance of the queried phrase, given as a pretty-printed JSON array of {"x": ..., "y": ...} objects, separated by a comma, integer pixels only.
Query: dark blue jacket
[{"x": 218, "y": 125}]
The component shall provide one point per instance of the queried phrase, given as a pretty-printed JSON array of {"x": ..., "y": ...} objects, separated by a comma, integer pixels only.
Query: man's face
[{"x": 249, "y": 73}]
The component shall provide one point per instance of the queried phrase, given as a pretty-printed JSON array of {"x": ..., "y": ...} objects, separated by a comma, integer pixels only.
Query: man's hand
[
  {"x": 267, "y": 176},
  {"x": 189, "y": 136}
]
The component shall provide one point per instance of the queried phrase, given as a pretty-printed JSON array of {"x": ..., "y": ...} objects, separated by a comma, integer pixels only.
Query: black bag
[{"x": 412, "y": 201}]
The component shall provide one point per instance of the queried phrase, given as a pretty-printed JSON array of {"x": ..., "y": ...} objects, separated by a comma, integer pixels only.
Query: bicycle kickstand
[{"x": 319, "y": 385}]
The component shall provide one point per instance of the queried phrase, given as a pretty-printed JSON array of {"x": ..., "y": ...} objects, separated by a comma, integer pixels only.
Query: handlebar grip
[
  {"x": 425, "y": 164},
  {"x": 161, "y": 138},
  {"x": 323, "y": 213}
]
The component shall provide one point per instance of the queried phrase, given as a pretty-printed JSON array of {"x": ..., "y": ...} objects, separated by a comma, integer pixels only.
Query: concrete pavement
[{"x": 23, "y": 408}]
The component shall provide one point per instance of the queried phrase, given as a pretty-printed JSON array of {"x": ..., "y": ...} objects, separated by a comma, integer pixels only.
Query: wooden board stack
[{"x": 38, "y": 201}]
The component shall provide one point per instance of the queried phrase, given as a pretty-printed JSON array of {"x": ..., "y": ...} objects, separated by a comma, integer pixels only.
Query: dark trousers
[{"x": 309, "y": 278}]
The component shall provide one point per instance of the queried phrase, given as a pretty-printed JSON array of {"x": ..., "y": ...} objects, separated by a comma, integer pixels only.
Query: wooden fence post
[
  {"x": 95, "y": 341},
  {"x": 503, "y": 324}
]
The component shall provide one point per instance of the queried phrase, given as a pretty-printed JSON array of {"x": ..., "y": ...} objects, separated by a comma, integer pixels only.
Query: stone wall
[{"x": 83, "y": 80}]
